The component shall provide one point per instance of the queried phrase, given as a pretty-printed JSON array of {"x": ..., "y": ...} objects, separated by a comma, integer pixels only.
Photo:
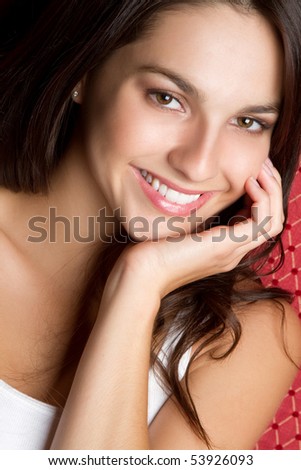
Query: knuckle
[
  {"x": 277, "y": 228},
  {"x": 265, "y": 198}
]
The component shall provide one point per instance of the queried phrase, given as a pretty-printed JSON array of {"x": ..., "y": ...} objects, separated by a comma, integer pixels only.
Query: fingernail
[
  {"x": 269, "y": 163},
  {"x": 255, "y": 181},
  {"x": 267, "y": 169}
]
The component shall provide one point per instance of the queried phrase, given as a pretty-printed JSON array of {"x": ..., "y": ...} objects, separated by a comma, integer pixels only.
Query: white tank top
[{"x": 29, "y": 424}]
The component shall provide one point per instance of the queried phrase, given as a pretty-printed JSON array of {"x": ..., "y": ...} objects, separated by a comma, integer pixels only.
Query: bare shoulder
[
  {"x": 277, "y": 322},
  {"x": 19, "y": 299},
  {"x": 271, "y": 327},
  {"x": 237, "y": 397}
]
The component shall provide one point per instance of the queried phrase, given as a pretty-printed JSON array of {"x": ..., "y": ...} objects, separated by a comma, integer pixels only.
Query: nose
[{"x": 196, "y": 154}]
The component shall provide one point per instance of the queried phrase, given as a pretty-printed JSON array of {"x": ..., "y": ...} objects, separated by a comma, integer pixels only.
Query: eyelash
[
  {"x": 264, "y": 126},
  {"x": 153, "y": 93}
]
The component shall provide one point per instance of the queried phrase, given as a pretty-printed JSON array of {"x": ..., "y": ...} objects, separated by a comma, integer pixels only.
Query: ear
[{"x": 78, "y": 91}]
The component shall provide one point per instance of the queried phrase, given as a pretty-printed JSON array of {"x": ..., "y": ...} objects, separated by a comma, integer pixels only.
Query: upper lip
[{"x": 172, "y": 185}]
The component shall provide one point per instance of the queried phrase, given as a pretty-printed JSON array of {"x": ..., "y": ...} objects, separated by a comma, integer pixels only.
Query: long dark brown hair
[{"x": 42, "y": 59}]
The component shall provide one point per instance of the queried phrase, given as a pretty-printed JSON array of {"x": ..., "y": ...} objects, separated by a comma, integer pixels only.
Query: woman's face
[{"x": 176, "y": 122}]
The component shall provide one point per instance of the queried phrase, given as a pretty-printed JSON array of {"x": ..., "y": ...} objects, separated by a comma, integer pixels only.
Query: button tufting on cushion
[{"x": 284, "y": 431}]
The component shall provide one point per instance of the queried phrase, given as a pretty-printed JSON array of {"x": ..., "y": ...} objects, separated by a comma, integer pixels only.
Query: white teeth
[
  {"x": 170, "y": 194},
  {"x": 186, "y": 198},
  {"x": 156, "y": 184},
  {"x": 182, "y": 199},
  {"x": 149, "y": 178},
  {"x": 163, "y": 189}
]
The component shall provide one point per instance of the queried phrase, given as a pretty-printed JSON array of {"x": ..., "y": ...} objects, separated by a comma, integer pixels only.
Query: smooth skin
[
  {"x": 204, "y": 141},
  {"x": 200, "y": 139}
]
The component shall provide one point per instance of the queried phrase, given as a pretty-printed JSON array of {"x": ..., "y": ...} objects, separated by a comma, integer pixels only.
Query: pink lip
[{"x": 165, "y": 206}]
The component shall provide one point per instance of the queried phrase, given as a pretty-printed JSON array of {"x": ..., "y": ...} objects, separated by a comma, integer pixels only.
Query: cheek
[
  {"x": 129, "y": 128},
  {"x": 246, "y": 155},
  {"x": 134, "y": 136}
]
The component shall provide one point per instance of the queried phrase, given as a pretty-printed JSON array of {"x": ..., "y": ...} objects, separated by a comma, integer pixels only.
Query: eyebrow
[
  {"x": 262, "y": 109},
  {"x": 187, "y": 87},
  {"x": 181, "y": 82}
]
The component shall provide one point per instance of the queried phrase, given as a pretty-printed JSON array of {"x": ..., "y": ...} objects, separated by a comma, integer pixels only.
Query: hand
[{"x": 168, "y": 264}]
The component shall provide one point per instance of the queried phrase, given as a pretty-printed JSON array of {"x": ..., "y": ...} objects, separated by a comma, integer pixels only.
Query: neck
[
  {"x": 48, "y": 265},
  {"x": 64, "y": 225}
]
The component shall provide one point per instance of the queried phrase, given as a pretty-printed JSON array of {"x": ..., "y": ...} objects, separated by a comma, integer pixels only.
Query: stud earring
[{"x": 75, "y": 94}]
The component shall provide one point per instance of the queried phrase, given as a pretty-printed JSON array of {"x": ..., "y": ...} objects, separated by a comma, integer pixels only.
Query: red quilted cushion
[{"x": 285, "y": 430}]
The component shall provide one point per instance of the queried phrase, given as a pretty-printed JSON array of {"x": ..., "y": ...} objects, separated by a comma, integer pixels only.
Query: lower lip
[{"x": 167, "y": 207}]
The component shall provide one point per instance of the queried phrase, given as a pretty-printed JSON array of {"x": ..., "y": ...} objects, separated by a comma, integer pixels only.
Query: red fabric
[{"x": 285, "y": 429}]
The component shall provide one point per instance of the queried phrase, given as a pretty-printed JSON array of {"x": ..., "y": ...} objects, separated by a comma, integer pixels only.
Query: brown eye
[
  {"x": 245, "y": 122},
  {"x": 250, "y": 125},
  {"x": 164, "y": 98}
]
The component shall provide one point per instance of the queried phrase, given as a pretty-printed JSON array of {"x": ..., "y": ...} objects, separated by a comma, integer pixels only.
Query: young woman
[{"x": 129, "y": 319}]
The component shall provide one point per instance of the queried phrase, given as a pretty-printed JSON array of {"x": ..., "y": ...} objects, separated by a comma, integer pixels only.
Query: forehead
[{"x": 211, "y": 46}]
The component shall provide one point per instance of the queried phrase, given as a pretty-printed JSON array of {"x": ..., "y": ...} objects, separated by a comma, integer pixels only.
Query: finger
[
  {"x": 275, "y": 172},
  {"x": 273, "y": 188},
  {"x": 261, "y": 207}
]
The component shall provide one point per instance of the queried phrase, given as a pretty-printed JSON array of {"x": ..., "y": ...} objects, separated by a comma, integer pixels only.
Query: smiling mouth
[{"x": 168, "y": 193}]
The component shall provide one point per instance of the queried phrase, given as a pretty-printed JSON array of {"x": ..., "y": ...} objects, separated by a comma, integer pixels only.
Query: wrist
[{"x": 127, "y": 290}]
